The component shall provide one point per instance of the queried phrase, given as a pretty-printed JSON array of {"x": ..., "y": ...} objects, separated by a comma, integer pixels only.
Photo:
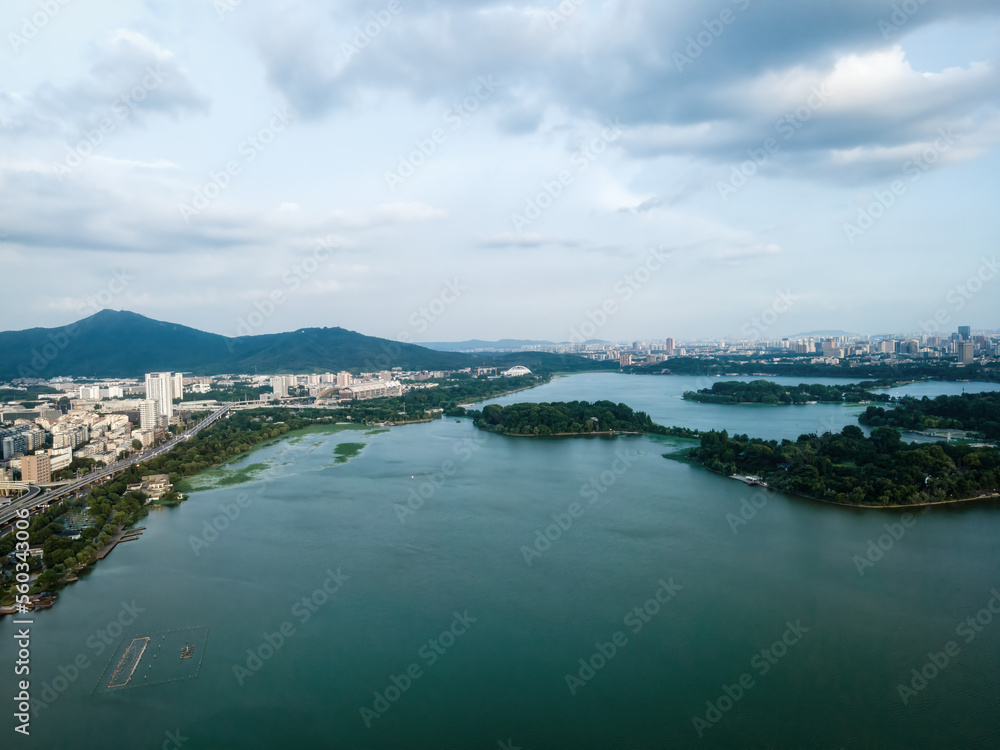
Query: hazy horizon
[{"x": 693, "y": 164}]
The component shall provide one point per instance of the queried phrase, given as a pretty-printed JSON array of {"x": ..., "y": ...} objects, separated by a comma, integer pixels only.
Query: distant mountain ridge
[{"x": 125, "y": 344}]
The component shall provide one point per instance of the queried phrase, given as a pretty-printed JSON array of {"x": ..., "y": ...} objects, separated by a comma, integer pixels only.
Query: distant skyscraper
[
  {"x": 965, "y": 332},
  {"x": 669, "y": 346},
  {"x": 966, "y": 354},
  {"x": 160, "y": 388}
]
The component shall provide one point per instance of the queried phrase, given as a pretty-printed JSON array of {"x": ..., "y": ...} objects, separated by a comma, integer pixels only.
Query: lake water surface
[{"x": 420, "y": 570}]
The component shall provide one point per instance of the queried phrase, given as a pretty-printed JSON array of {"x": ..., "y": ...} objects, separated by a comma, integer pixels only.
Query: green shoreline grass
[{"x": 246, "y": 474}]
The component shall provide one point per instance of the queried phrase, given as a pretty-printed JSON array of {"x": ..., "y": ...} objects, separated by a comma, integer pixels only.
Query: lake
[{"x": 440, "y": 589}]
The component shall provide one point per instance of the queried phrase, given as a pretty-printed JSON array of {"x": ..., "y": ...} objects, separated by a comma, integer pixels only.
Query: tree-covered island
[
  {"x": 973, "y": 412},
  {"x": 876, "y": 471},
  {"x": 768, "y": 392},
  {"x": 569, "y": 418}
]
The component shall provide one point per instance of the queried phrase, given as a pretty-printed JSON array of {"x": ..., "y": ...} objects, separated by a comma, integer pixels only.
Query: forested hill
[
  {"x": 976, "y": 412},
  {"x": 124, "y": 344},
  {"x": 571, "y": 418},
  {"x": 768, "y": 392},
  {"x": 851, "y": 468}
]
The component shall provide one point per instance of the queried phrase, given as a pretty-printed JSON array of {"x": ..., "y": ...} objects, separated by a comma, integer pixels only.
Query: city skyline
[{"x": 692, "y": 170}]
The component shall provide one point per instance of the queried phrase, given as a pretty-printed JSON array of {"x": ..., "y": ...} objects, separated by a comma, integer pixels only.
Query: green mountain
[{"x": 125, "y": 344}]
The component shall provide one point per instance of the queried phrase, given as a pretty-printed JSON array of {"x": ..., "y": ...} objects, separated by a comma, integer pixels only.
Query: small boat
[{"x": 752, "y": 480}]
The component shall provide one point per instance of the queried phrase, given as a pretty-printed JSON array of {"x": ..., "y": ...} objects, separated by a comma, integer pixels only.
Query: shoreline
[
  {"x": 506, "y": 393},
  {"x": 760, "y": 403},
  {"x": 679, "y": 456},
  {"x": 606, "y": 433}
]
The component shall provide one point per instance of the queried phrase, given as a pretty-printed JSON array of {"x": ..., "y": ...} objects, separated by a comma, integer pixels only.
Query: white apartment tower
[
  {"x": 160, "y": 388},
  {"x": 279, "y": 385},
  {"x": 149, "y": 414}
]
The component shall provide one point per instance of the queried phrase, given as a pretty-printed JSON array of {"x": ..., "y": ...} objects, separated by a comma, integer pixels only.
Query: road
[{"x": 36, "y": 498}]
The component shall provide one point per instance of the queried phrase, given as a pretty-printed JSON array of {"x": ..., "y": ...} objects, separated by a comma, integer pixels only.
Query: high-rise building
[
  {"x": 149, "y": 414},
  {"x": 344, "y": 379},
  {"x": 36, "y": 469},
  {"x": 966, "y": 353},
  {"x": 90, "y": 392},
  {"x": 279, "y": 385},
  {"x": 965, "y": 333},
  {"x": 669, "y": 346},
  {"x": 178, "y": 386},
  {"x": 160, "y": 388}
]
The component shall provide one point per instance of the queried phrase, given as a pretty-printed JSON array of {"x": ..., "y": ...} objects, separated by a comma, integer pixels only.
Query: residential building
[
  {"x": 160, "y": 388},
  {"x": 149, "y": 414},
  {"x": 36, "y": 469}
]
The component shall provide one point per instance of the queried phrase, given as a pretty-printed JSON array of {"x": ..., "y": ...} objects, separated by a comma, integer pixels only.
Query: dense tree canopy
[
  {"x": 976, "y": 412},
  {"x": 851, "y": 468},
  {"x": 768, "y": 392},
  {"x": 570, "y": 418}
]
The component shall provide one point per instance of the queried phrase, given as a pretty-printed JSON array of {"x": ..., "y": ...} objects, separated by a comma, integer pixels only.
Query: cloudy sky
[{"x": 452, "y": 169}]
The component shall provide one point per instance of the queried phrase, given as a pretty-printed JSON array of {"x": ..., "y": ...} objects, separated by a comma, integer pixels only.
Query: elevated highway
[{"x": 39, "y": 497}]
